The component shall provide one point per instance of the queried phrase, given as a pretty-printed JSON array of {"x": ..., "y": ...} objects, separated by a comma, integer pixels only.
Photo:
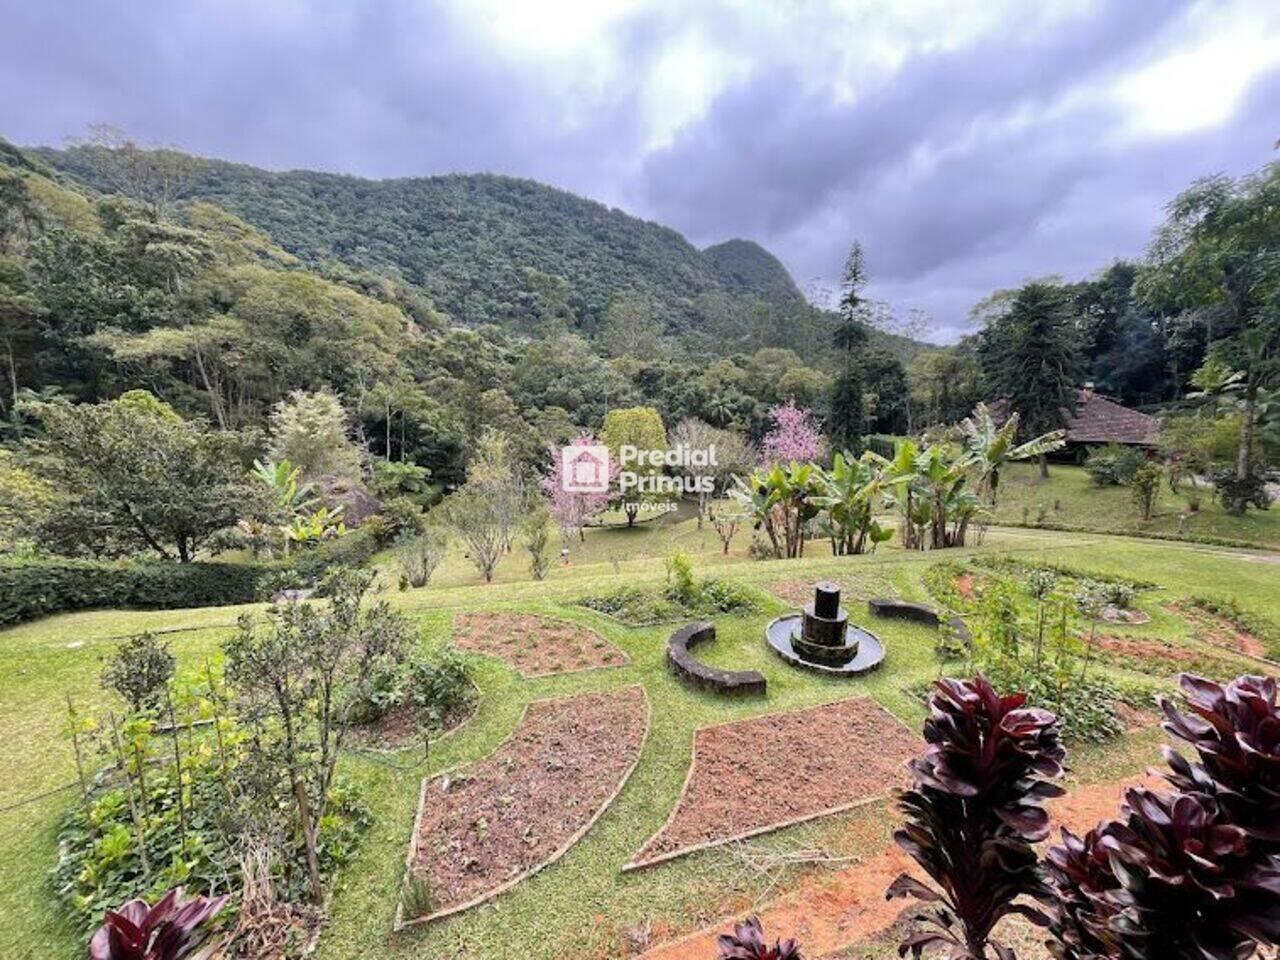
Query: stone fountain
[{"x": 820, "y": 638}]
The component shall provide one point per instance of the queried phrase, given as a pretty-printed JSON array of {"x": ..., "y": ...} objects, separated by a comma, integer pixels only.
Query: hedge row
[{"x": 37, "y": 588}]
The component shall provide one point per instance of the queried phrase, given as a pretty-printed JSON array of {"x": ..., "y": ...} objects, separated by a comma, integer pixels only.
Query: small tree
[
  {"x": 538, "y": 529},
  {"x": 793, "y": 437},
  {"x": 571, "y": 509},
  {"x": 1145, "y": 486},
  {"x": 419, "y": 556},
  {"x": 974, "y": 812},
  {"x": 480, "y": 522},
  {"x": 310, "y": 431},
  {"x": 300, "y": 677},
  {"x": 139, "y": 671},
  {"x": 641, "y": 429}
]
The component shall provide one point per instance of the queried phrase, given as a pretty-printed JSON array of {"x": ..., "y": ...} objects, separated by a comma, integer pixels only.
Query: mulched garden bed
[
  {"x": 536, "y": 646},
  {"x": 483, "y": 829},
  {"x": 752, "y": 776},
  {"x": 398, "y": 727},
  {"x": 800, "y": 592}
]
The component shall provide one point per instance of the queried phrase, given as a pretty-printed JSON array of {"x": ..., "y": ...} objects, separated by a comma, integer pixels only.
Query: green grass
[
  {"x": 1070, "y": 499},
  {"x": 583, "y": 906}
]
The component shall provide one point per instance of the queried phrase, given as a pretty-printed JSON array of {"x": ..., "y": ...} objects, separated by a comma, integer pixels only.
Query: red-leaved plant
[
  {"x": 1170, "y": 878},
  {"x": 974, "y": 812},
  {"x": 174, "y": 929},
  {"x": 1235, "y": 732},
  {"x": 1190, "y": 874},
  {"x": 747, "y": 943}
]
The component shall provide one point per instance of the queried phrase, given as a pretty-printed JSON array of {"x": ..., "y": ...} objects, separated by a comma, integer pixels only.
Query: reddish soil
[
  {"x": 800, "y": 592},
  {"x": 1144, "y": 649},
  {"x": 965, "y": 585},
  {"x": 536, "y": 646},
  {"x": 1133, "y": 718},
  {"x": 398, "y": 727},
  {"x": 1219, "y": 630},
  {"x": 831, "y": 913},
  {"x": 752, "y": 776},
  {"x": 482, "y": 829}
]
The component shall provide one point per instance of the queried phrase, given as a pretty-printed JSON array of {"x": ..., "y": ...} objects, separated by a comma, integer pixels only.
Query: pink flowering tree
[
  {"x": 572, "y": 509},
  {"x": 795, "y": 435}
]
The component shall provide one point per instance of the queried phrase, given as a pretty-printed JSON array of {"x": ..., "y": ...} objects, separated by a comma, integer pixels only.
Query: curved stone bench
[
  {"x": 920, "y": 613},
  {"x": 692, "y": 670}
]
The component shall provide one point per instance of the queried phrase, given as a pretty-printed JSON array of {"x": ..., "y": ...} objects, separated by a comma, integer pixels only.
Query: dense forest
[{"x": 413, "y": 319}]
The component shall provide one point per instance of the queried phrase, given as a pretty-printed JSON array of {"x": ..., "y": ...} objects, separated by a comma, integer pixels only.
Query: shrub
[
  {"x": 538, "y": 530},
  {"x": 1172, "y": 877},
  {"x": 1084, "y": 706},
  {"x": 140, "y": 671},
  {"x": 37, "y": 588},
  {"x": 402, "y": 518},
  {"x": 1114, "y": 464},
  {"x": 1238, "y": 494},
  {"x": 439, "y": 689},
  {"x": 419, "y": 557},
  {"x": 1145, "y": 488},
  {"x": 974, "y": 812},
  {"x": 174, "y": 928}
]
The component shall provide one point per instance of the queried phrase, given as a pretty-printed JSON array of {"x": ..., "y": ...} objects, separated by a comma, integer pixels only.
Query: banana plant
[
  {"x": 988, "y": 446},
  {"x": 284, "y": 480},
  {"x": 321, "y": 524},
  {"x": 780, "y": 500},
  {"x": 847, "y": 492}
]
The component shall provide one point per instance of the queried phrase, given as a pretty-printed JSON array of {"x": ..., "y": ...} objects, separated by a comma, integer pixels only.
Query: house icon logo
[{"x": 584, "y": 468}]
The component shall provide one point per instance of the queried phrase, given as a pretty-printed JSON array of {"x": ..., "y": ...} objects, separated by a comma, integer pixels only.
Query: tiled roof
[{"x": 1099, "y": 420}]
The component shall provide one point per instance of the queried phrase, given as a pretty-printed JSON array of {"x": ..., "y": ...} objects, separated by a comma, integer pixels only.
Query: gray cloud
[{"x": 962, "y": 167}]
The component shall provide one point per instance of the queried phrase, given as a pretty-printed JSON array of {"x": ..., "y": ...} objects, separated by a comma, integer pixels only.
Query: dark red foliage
[
  {"x": 1235, "y": 732},
  {"x": 173, "y": 929},
  {"x": 1171, "y": 878},
  {"x": 747, "y": 943},
  {"x": 974, "y": 813}
]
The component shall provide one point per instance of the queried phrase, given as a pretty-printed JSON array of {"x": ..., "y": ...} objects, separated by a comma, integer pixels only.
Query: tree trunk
[
  {"x": 1044, "y": 466},
  {"x": 1244, "y": 457}
]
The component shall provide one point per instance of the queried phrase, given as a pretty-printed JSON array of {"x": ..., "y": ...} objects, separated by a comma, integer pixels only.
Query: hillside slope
[{"x": 470, "y": 242}]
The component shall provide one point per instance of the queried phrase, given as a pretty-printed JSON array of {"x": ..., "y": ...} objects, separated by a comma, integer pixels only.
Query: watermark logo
[{"x": 584, "y": 468}]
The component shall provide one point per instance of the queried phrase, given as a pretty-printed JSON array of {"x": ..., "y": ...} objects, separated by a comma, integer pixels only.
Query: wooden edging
[
  {"x": 635, "y": 864},
  {"x": 626, "y": 658},
  {"x": 400, "y": 921}
]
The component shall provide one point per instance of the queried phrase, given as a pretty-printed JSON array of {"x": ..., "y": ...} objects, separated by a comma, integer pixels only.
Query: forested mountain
[{"x": 483, "y": 248}]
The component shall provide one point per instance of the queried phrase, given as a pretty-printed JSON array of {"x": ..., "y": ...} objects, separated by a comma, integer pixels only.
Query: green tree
[
  {"x": 1031, "y": 359},
  {"x": 1215, "y": 260},
  {"x": 630, "y": 433},
  {"x": 139, "y": 476},
  {"x": 310, "y": 431},
  {"x": 847, "y": 420}
]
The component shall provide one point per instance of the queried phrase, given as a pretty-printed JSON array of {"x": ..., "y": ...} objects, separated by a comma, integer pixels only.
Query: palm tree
[{"x": 989, "y": 446}]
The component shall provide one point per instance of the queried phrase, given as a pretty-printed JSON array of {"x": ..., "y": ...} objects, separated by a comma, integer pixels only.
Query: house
[{"x": 1097, "y": 420}]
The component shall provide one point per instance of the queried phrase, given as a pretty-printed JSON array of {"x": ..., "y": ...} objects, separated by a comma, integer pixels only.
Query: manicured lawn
[
  {"x": 1070, "y": 499},
  {"x": 582, "y": 906}
]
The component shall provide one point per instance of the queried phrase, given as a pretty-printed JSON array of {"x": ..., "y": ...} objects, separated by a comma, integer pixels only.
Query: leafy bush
[
  {"x": 36, "y": 588},
  {"x": 439, "y": 689},
  {"x": 402, "y": 518},
  {"x": 974, "y": 812},
  {"x": 1144, "y": 486},
  {"x": 1084, "y": 706},
  {"x": 1172, "y": 877},
  {"x": 638, "y": 606},
  {"x": 140, "y": 671},
  {"x": 1114, "y": 464},
  {"x": 419, "y": 557},
  {"x": 170, "y": 930},
  {"x": 747, "y": 943},
  {"x": 1236, "y": 495}
]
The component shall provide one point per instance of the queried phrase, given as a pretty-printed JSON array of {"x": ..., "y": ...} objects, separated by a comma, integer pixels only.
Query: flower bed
[
  {"x": 753, "y": 776},
  {"x": 536, "y": 646},
  {"x": 482, "y": 830}
]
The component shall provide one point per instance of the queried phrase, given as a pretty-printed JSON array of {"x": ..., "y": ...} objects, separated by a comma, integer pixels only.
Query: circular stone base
[{"x": 870, "y": 649}]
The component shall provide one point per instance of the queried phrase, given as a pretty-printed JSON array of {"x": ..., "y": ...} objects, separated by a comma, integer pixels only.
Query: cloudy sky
[{"x": 969, "y": 144}]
